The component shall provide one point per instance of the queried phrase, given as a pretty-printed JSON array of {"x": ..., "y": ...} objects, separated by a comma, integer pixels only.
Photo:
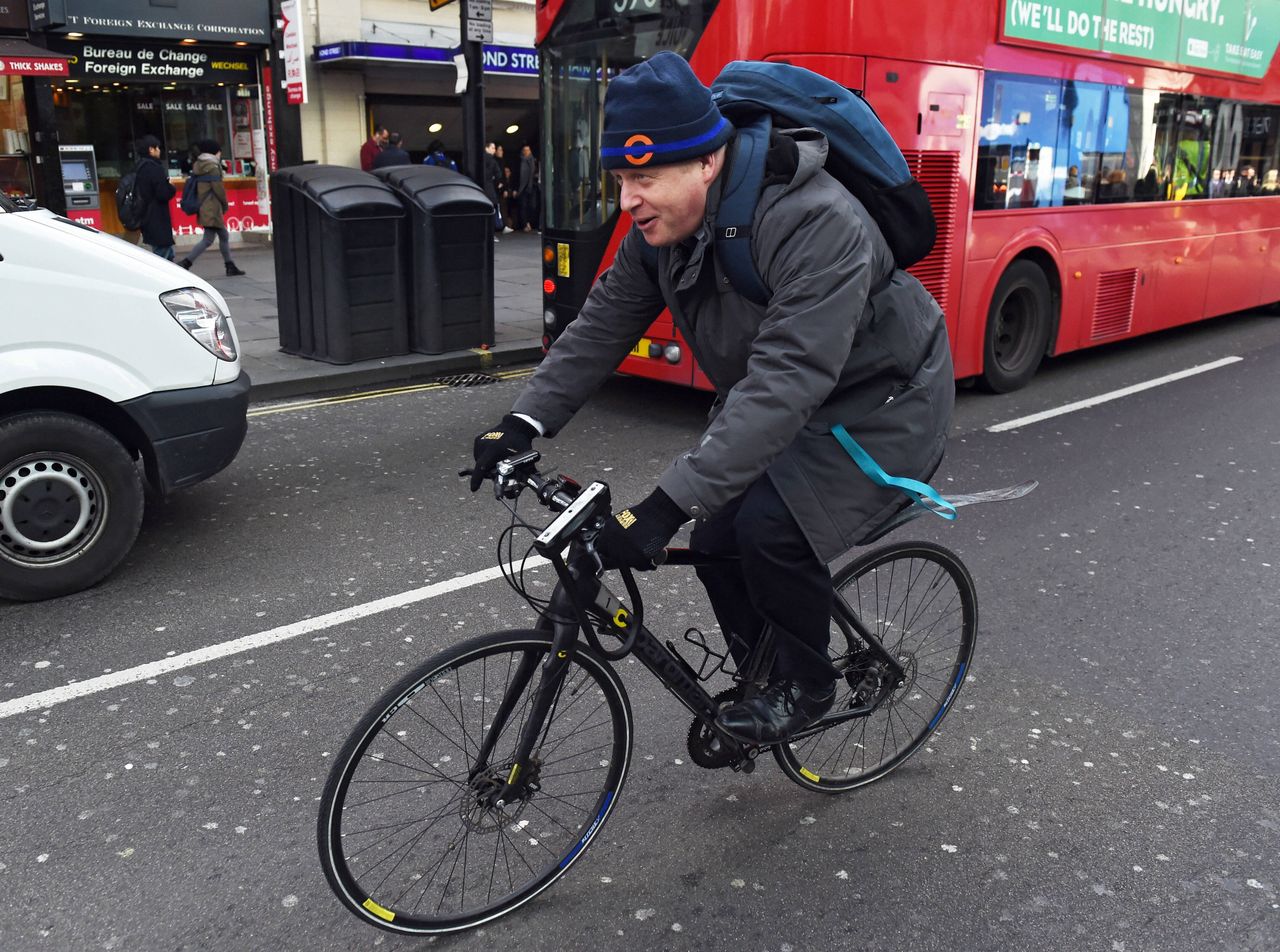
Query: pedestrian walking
[
  {"x": 211, "y": 195},
  {"x": 526, "y": 190},
  {"x": 154, "y": 190},
  {"x": 492, "y": 183}
]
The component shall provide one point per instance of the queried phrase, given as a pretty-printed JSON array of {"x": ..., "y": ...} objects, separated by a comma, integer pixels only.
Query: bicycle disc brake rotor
[
  {"x": 706, "y": 749},
  {"x": 480, "y": 811}
]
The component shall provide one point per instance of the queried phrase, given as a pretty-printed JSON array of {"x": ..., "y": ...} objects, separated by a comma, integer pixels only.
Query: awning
[{"x": 20, "y": 58}]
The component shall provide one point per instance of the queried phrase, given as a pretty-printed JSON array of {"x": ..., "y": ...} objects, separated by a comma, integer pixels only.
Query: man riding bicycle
[{"x": 844, "y": 339}]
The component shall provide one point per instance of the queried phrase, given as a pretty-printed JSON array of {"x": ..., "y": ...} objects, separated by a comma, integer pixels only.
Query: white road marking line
[
  {"x": 155, "y": 669},
  {"x": 1113, "y": 395}
]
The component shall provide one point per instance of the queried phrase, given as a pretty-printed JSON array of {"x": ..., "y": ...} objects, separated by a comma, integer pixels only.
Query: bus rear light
[
  {"x": 549, "y": 287},
  {"x": 549, "y": 318},
  {"x": 672, "y": 353},
  {"x": 548, "y": 255},
  {"x": 546, "y": 341}
]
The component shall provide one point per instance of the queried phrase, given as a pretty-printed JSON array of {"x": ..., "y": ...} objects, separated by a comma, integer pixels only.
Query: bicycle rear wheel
[
  {"x": 918, "y": 600},
  {"x": 408, "y": 840}
]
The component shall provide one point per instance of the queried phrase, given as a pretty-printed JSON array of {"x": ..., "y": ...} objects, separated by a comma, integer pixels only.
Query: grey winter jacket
[{"x": 824, "y": 350}]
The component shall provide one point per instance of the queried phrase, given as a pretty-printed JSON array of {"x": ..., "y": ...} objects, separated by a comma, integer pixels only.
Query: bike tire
[
  {"x": 407, "y": 744},
  {"x": 919, "y": 600}
]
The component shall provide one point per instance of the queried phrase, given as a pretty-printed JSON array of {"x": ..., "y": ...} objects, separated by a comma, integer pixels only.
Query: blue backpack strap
[
  {"x": 922, "y": 494},
  {"x": 737, "y": 210}
]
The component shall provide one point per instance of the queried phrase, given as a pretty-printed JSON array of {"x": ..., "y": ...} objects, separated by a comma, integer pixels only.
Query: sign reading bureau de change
[{"x": 1230, "y": 36}]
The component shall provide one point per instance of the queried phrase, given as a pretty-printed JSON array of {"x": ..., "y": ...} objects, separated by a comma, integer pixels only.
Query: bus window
[{"x": 1017, "y": 142}]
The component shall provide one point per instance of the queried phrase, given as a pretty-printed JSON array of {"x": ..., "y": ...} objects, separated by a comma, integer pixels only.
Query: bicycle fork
[{"x": 561, "y": 618}]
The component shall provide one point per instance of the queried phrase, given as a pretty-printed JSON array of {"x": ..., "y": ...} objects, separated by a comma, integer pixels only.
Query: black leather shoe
[{"x": 780, "y": 710}]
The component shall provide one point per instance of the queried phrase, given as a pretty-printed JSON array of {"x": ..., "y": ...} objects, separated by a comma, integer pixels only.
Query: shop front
[
  {"x": 413, "y": 90},
  {"x": 194, "y": 75}
]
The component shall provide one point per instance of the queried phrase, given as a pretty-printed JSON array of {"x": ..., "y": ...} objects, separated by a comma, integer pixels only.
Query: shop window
[{"x": 15, "y": 140}]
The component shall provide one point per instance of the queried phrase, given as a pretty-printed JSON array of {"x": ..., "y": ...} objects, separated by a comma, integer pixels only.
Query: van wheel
[
  {"x": 1018, "y": 327},
  {"x": 70, "y": 505}
]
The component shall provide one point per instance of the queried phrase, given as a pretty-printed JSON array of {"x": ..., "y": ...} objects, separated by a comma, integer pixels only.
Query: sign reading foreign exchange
[
  {"x": 121, "y": 61},
  {"x": 1228, "y": 36}
]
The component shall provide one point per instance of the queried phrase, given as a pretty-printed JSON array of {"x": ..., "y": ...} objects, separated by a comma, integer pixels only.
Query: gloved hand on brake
[{"x": 511, "y": 437}]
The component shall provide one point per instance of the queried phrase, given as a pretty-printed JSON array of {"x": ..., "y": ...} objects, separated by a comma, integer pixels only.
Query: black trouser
[{"x": 779, "y": 582}]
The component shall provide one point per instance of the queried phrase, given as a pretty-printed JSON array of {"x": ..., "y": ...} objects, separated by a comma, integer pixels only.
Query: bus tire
[
  {"x": 71, "y": 503},
  {"x": 1018, "y": 326}
]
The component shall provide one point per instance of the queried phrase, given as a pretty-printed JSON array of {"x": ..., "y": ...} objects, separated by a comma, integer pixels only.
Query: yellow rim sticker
[
  {"x": 621, "y": 617},
  {"x": 641, "y": 349},
  {"x": 515, "y": 772},
  {"x": 378, "y": 911},
  {"x": 809, "y": 775}
]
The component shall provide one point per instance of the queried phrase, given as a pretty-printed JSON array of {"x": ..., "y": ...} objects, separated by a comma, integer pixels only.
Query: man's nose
[{"x": 629, "y": 198}]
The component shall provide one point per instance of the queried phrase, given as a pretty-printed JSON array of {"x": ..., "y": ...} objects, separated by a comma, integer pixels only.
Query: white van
[{"x": 109, "y": 356}]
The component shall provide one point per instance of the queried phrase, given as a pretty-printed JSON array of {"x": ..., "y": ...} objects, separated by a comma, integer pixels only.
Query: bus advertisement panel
[{"x": 1094, "y": 177}]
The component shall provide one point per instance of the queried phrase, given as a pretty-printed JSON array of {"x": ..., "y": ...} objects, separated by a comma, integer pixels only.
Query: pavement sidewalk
[{"x": 517, "y": 298}]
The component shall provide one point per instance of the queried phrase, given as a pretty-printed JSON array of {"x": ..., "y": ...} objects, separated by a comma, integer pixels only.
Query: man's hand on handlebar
[
  {"x": 511, "y": 437},
  {"x": 635, "y": 538}
]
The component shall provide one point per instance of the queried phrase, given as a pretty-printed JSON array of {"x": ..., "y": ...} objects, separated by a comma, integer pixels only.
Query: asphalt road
[{"x": 1109, "y": 779}]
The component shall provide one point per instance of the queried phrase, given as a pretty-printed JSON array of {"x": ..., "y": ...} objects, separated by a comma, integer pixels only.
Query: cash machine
[{"x": 80, "y": 183}]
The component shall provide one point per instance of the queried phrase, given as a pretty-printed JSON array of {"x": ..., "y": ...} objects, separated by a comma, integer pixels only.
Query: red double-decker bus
[{"x": 1099, "y": 169}]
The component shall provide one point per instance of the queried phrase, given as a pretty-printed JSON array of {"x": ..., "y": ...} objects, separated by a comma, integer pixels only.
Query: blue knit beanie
[{"x": 658, "y": 113}]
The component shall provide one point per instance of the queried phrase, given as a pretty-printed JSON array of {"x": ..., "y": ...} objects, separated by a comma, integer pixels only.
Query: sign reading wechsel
[
  {"x": 1230, "y": 36},
  {"x": 141, "y": 63}
]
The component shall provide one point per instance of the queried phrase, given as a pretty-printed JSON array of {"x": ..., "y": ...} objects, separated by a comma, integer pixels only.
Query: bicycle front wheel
[
  {"x": 918, "y": 600},
  {"x": 410, "y": 836}
]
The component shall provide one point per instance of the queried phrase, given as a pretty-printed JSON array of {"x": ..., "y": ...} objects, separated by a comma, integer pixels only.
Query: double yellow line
[{"x": 376, "y": 394}]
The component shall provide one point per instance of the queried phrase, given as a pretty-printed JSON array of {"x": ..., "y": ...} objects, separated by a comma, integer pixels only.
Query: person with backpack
[
  {"x": 205, "y": 197},
  {"x": 145, "y": 206},
  {"x": 436, "y": 156},
  {"x": 844, "y": 345}
]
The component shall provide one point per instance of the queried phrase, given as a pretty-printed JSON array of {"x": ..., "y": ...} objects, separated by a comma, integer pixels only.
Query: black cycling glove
[
  {"x": 635, "y": 537},
  {"x": 511, "y": 437}
]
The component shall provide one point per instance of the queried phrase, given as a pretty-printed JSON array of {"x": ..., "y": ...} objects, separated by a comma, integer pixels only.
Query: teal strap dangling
[{"x": 922, "y": 494}]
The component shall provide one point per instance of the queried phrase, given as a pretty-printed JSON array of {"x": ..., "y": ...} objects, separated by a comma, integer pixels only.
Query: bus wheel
[{"x": 1018, "y": 327}]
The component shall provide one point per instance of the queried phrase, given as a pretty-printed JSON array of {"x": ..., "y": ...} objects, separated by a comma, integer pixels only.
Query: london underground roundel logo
[{"x": 642, "y": 158}]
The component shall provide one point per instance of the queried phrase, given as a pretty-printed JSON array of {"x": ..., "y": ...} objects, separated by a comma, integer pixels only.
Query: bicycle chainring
[{"x": 706, "y": 748}]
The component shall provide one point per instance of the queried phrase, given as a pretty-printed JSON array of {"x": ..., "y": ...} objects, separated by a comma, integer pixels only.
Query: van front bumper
[{"x": 191, "y": 433}]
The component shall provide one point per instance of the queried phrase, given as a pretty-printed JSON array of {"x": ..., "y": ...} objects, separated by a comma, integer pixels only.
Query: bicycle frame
[{"x": 580, "y": 600}]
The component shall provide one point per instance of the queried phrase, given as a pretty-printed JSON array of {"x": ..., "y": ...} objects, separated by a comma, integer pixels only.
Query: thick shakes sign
[{"x": 1229, "y": 36}]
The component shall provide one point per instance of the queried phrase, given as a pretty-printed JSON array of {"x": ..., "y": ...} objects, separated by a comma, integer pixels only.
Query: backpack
[
  {"x": 440, "y": 159},
  {"x": 130, "y": 204},
  {"x": 190, "y": 202},
  {"x": 862, "y": 156}
]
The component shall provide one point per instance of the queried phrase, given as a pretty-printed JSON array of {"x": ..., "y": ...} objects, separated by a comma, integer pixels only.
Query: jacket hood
[{"x": 205, "y": 164}]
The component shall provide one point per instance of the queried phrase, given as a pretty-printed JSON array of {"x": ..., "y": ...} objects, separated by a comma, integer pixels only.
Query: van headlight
[{"x": 201, "y": 317}]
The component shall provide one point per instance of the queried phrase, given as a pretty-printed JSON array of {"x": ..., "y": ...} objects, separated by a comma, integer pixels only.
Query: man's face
[
  {"x": 491, "y": 149},
  {"x": 668, "y": 202},
  {"x": 381, "y": 136},
  {"x": 153, "y": 151}
]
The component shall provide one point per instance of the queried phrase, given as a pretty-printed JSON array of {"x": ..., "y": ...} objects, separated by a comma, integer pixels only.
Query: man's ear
[{"x": 711, "y": 164}]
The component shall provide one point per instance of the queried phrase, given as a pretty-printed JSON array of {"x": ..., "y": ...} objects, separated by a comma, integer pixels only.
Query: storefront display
[{"x": 181, "y": 93}]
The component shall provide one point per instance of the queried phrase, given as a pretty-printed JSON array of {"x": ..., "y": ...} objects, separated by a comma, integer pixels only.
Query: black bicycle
[{"x": 479, "y": 779}]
